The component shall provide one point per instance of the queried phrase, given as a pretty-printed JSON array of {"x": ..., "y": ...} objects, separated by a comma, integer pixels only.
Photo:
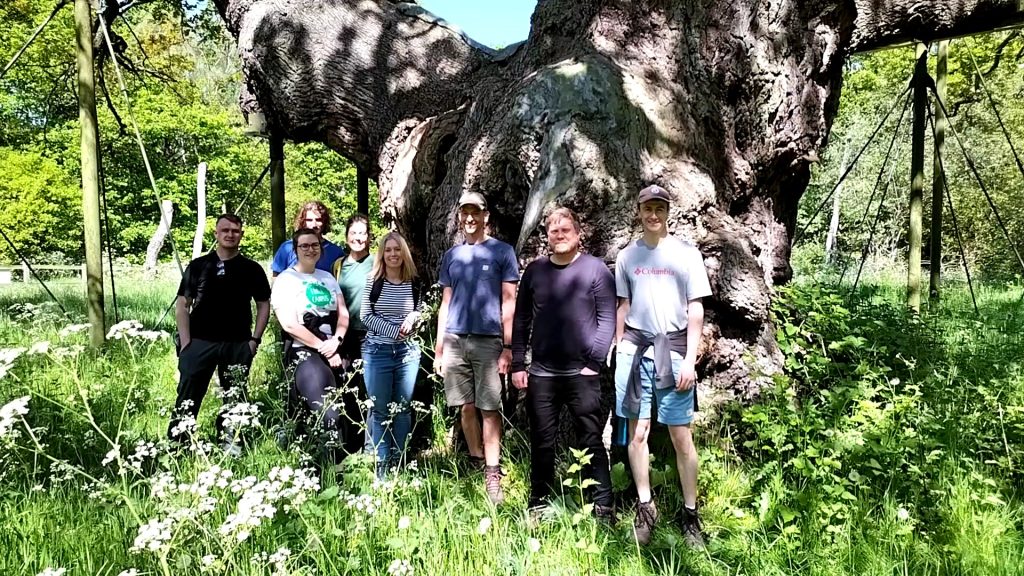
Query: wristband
[
  {"x": 258, "y": 341},
  {"x": 506, "y": 346}
]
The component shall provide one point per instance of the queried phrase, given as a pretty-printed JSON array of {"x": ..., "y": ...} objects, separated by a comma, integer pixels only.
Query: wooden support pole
[
  {"x": 833, "y": 225},
  {"x": 362, "y": 191},
  {"x": 278, "y": 225},
  {"x": 917, "y": 179},
  {"x": 938, "y": 177},
  {"x": 197, "y": 239},
  {"x": 90, "y": 173}
]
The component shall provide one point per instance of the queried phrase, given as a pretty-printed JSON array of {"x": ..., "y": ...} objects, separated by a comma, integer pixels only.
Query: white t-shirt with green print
[{"x": 295, "y": 293}]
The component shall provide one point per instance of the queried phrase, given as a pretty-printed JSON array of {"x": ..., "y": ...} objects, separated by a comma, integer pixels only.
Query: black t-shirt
[{"x": 221, "y": 291}]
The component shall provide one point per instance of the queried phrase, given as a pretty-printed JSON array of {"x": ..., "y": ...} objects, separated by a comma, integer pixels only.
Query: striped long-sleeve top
[{"x": 384, "y": 318}]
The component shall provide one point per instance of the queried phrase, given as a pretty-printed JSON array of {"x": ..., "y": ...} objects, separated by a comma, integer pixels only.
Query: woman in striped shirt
[{"x": 391, "y": 311}]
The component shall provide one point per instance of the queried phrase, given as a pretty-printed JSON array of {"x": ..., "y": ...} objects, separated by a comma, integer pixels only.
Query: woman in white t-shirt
[{"x": 310, "y": 308}]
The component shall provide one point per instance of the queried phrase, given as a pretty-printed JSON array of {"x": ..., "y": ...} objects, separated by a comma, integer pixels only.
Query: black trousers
[
  {"x": 355, "y": 432},
  {"x": 545, "y": 397},
  {"x": 314, "y": 382},
  {"x": 196, "y": 364}
]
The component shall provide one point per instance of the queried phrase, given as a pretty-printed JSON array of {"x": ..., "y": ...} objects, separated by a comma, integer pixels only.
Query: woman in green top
[{"x": 351, "y": 272}]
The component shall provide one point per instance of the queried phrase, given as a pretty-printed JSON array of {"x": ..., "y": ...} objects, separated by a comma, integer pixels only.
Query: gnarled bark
[{"x": 724, "y": 102}]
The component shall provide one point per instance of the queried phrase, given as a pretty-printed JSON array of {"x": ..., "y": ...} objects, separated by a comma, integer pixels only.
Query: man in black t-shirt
[{"x": 214, "y": 319}]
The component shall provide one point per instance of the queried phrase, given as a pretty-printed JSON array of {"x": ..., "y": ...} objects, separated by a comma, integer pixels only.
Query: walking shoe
[
  {"x": 693, "y": 535},
  {"x": 476, "y": 463},
  {"x": 605, "y": 514},
  {"x": 492, "y": 482},
  {"x": 643, "y": 524},
  {"x": 537, "y": 514}
]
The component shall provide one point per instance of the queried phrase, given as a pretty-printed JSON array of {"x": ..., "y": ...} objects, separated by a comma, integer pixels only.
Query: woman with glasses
[
  {"x": 391, "y": 311},
  {"x": 310, "y": 307}
]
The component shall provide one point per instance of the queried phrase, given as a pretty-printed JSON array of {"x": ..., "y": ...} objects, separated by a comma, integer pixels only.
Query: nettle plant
[{"x": 845, "y": 423}]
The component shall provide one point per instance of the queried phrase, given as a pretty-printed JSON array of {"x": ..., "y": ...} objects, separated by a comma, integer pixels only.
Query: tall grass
[{"x": 892, "y": 445}]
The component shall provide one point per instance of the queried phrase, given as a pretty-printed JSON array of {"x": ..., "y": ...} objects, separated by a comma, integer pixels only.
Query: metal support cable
[
  {"x": 253, "y": 189},
  {"x": 999, "y": 117},
  {"x": 952, "y": 214},
  {"x": 874, "y": 191},
  {"x": 138, "y": 138},
  {"x": 32, "y": 270},
  {"x": 853, "y": 164},
  {"x": 106, "y": 237},
  {"x": 981, "y": 183},
  {"x": 38, "y": 31},
  {"x": 871, "y": 237}
]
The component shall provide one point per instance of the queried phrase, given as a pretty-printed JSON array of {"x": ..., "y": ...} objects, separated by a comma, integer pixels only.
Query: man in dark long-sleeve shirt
[{"x": 565, "y": 312}]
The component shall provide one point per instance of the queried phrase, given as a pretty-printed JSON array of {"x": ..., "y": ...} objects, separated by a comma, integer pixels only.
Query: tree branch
[
  {"x": 882, "y": 23},
  {"x": 999, "y": 52}
]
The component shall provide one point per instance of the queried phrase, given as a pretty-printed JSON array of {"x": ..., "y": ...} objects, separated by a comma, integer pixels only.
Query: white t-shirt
[
  {"x": 295, "y": 293},
  {"x": 659, "y": 282}
]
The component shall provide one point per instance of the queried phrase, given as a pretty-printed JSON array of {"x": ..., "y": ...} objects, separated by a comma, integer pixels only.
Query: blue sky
[{"x": 494, "y": 23}]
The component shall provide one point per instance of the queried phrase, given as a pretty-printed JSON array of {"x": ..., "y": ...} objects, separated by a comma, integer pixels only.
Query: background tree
[{"x": 726, "y": 103}]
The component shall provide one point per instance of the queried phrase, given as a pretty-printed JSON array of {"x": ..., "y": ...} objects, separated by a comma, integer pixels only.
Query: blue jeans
[{"x": 390, "y": 375}]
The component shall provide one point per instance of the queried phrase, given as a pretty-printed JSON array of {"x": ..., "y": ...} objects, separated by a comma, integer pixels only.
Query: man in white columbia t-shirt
[{"x": 659, "y": 281}]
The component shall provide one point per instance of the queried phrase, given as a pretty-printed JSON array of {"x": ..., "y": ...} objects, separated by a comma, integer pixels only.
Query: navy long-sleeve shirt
[{"x": 565, "y": 314}]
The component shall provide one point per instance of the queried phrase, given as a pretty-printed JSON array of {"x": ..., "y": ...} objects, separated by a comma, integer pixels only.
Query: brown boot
[
  {"x": 643, "y": 524},
  {"x": 492, "y": 482}
]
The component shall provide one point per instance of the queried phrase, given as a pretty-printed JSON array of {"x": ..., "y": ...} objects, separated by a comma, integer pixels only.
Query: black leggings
[{"x": 314, "y": 380}]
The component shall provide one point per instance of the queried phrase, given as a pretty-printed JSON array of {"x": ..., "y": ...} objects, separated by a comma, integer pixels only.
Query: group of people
[{"x": 553, "y": 330}]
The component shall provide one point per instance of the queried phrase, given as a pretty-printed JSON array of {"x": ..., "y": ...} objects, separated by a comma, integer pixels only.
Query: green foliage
[
  {"x": 185, "y": 103},
  {"x": 890, "y": 445},
  {"x": 872, "y": 83},
  {"x": 41, "y": 206}
]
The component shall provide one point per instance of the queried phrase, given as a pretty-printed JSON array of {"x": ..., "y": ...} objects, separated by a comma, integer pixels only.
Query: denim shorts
[{"x": 674, "y": 408}]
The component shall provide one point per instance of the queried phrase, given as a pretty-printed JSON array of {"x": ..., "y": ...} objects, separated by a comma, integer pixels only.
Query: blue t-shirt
[
  {"x": 475, "y": 272},
  {"x": 285, "y": 257}
]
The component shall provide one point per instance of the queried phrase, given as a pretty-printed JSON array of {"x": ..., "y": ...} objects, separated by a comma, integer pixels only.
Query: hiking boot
[
  {"x": 537, "y": 514},
  {"x": 693, "y": 535},
  {"x": 605, "y": 514},
  {"x": 492, "y": 482},
  {"x": 476, "y": 463},
  {"x": 643, "y": 524}
]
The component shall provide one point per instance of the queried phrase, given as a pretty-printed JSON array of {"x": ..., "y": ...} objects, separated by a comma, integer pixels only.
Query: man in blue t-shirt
[
  {"x": 315, "y": 216},
  {"x": 474, "y": 333}
]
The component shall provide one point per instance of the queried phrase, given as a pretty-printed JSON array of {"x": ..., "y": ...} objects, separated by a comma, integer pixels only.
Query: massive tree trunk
[{"x": 724, "y": 102}]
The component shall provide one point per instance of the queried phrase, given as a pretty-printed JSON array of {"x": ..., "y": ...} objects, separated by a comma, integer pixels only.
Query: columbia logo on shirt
[{"x": 640, "y": 271}]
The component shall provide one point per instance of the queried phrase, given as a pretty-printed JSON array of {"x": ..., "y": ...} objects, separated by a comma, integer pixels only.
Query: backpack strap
[
  {"x": 378, "y": 286},
  {"x": 375, "y": 290}
]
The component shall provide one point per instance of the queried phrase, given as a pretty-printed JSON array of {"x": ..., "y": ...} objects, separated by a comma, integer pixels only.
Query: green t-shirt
[{"x": 352, "y": 280}]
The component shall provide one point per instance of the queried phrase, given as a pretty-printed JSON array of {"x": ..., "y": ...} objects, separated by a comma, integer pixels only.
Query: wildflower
[
  {"x": 9, "y": 412},
  {"x": 404, "y": 522},
  {"x": 72, "y": 329},
  {"x": 153, "y": 536},
  {"x": 52, "y": 572},
  {"x": 241, "y": 415},
  {"x": 484, "y": 526},
  {"x": 534, "y": 545},
  {"x": 112, "y": 455},
  {"x": 41, "y": 347},
  {"x": 208, "y": 560},
  {"x": 187, "y": 425},
  {"x": 400, "y": 568},
  {"x": 128, "y": 572},
  {"x": 902, "y": 514}
]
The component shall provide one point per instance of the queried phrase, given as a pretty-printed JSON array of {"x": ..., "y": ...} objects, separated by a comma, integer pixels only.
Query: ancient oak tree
[{"x": 724, "y": 102}]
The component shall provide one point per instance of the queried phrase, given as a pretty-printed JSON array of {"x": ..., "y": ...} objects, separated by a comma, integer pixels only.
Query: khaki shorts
[{"x": 471, "y": 371}]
